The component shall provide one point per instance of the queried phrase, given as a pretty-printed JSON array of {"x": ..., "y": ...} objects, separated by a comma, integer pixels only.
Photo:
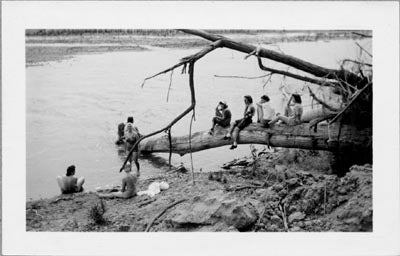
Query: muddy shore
[{"x": 272, "y": 192}]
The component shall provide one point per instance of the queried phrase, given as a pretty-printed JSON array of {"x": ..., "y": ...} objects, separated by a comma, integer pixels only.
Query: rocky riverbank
[{"x": 267, "y": 192}]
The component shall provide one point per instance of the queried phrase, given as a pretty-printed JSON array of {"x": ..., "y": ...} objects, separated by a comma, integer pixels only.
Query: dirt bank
[{"x": 270, "y": 192}]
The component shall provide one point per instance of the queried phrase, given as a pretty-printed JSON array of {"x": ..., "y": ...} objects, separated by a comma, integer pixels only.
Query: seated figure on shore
[
  {"x": 240, "y": 124},
  {"x": 69, "y": 184},
  {"x": 265, "y": 113},
  {"x": 222, "y": 116},
  {"x": 129, "y": 134},
  {"x": 293, "y": 112},
  {"x": 128, "y": 188}
]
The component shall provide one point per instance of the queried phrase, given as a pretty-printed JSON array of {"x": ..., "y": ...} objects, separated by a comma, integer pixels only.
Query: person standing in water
[
  {"x": 69, "y": 184},
  {"x": 128, "y": 188},
  {"x": 222, "y": 116},
  {"x": 293, "y": 112},
  {"x": 129, "y": 134},
  {"x": 240, "y": 124}
]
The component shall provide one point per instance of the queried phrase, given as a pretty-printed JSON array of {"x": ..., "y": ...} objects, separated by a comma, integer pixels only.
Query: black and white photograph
[
  {"x": 199, "y": 130},
  {"x": 120, "y": 119}
]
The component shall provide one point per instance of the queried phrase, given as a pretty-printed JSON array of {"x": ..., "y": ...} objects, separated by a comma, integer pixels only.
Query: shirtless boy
[
  {"x": 128, "y": 188},
  {"x": 70, "y": 184}
]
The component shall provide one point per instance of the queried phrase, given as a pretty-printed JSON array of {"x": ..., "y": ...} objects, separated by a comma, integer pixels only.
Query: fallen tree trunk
[
  {"x": 279, "y": 136},
  {"x": 318, "y": 71}
]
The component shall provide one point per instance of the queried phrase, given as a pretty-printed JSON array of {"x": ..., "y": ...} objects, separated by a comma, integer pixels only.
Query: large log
[{"x": 278, "y": 136}]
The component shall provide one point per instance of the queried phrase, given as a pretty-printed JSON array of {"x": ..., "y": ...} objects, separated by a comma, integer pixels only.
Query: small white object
[
  {"x": 154, "y": 188},
  {"x": 164, "y": 185}
]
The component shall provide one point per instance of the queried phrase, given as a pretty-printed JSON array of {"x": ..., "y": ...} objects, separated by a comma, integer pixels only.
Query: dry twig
[
  {"x": 285, "y": 224},
  {"x": 161, "y": 213}
]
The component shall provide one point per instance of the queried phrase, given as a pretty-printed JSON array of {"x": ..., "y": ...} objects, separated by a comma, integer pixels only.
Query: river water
[{"x": 74, "y": 106}]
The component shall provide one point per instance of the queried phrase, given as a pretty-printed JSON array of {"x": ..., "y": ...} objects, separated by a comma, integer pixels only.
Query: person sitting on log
[
  {"x": 69, "y": 184},
  {"x": 240, "y": 124},
  {"x": 222, "y": 116},
  {"x": 293, "y": 112},
  {"x": 128, "y": 188},
  {"x": 265, "y": 113}
]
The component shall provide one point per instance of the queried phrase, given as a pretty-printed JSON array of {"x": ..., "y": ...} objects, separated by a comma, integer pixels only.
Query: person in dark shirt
[
  {"x": 222, "y": 116},
  {"x": 240, "y": 124}
]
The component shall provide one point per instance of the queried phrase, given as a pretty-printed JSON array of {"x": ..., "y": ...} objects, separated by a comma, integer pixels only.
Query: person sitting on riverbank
[
  {"x": 222, "y": 116},
  {"x": 265, "y": 113},
  {"x": 69, "y": 184},
  {"x": 240, "y": 124},
  {"x": 293, "y": 112},
  {"x": 128, "y": 188}
]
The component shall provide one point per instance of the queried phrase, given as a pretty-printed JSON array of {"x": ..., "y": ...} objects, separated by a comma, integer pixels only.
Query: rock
[
  {"x": 280, "y": 167},
  {"x": 199, "y": 212},
  {"x": 292, "y": 182},
  {"x": 277, "y": 187},
  {"x": 292, "y": 209},
  {"x": 342, "y": 190},
  {"x": 296, "y": 216},
  {"x": 273, "y": 227},
  {"x": 243, "y": 217},
  {"x": 280, "y": 171},
  {"x": 260, "y": 191},
  {"x": 290, "y": 174},
  {"x": 123, "y": 228},
  {"x": 275, "y": 220},
  {"x": 283, "y": 193},
  {"x": 215, "y": 208},
  {"x": 308, "y": 223},
  {"x": 295, "y": 229},
  {"x": 218, "y": 227}
]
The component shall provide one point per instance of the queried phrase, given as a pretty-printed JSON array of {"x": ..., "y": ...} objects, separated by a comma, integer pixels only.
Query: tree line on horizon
[{"x": 172, "y": 32}]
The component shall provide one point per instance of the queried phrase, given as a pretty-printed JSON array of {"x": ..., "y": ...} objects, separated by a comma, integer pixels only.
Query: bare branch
[
  {"x": 295, "y": 76},
  {"x": 297, "y": 63},
  {"x": 356, "y": 62},
  {"x": 170, "y": 83},
  {"x": 244, "y": 77},
  {"x": 362, "y": 49},
  {"x": 162, "y": 212},
  {"x": 362, "y": 35},
  {"x": 321, "y": 101},
  {"x": 187, "y": 59}
]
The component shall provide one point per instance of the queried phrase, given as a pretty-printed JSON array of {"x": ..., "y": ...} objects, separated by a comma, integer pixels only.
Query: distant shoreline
[{"x": 57, "y": 45}]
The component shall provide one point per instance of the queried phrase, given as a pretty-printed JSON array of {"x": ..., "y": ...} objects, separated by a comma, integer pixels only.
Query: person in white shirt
[{"x": 265, "y": 113}]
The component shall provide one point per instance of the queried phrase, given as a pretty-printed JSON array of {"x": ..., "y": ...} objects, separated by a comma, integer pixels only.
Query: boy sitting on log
[{"x": 222, "y": 116}]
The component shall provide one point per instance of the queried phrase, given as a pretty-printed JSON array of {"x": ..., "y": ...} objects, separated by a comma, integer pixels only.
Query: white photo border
[{"x": 381, "y": 17}]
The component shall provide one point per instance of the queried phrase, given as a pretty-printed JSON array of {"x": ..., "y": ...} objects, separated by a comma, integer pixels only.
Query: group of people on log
[
  {"x": 265, "y": 115},
  {"x": 128, "y": 134}
]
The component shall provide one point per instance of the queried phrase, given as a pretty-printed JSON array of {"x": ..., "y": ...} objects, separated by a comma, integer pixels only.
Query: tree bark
[{"x": 279, "y": 136}]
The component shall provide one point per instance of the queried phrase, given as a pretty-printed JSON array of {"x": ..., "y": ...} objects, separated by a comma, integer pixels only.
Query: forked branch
[{"x": 187, "y": 60}]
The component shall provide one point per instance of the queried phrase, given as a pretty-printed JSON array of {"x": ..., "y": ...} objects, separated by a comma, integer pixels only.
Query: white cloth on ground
[{"x": 154, "y": 188}]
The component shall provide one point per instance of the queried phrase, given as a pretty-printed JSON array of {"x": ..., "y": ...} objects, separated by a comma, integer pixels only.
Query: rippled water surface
[{"x": 74, "y": 106}]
